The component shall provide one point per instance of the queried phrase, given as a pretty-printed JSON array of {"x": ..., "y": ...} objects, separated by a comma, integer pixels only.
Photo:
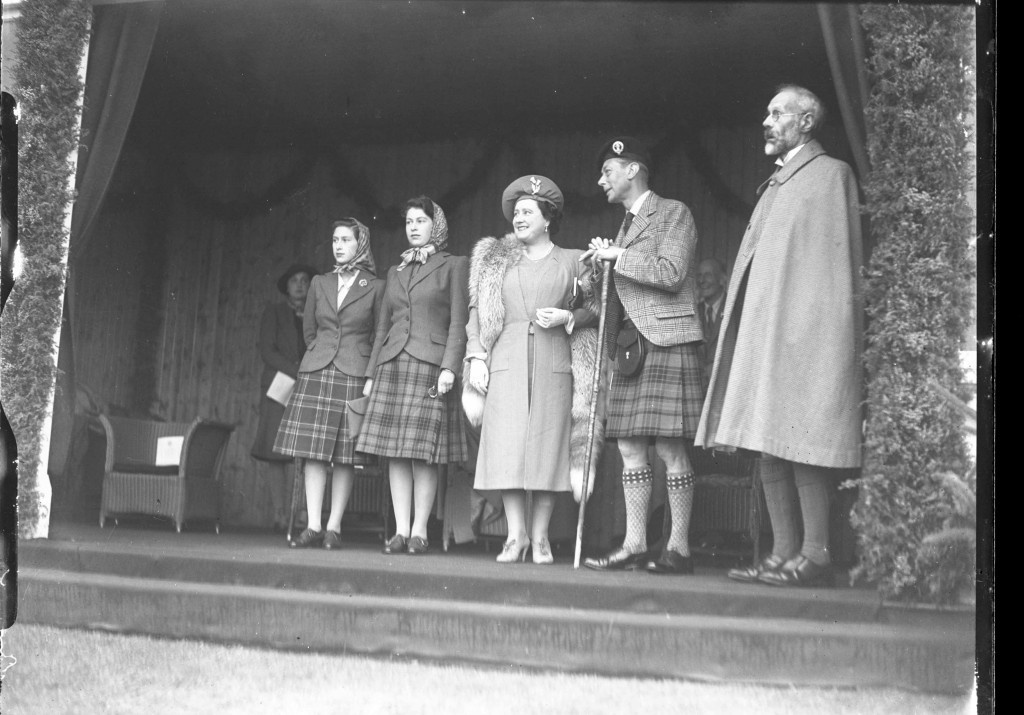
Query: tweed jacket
[
  {"x": 655, "y": 277},
  {"x": 342, "y": 335},
  {"x": 279, "y": 343},
  {"x": 787, "y": 377},
  {"x": 425, "y": 313}
]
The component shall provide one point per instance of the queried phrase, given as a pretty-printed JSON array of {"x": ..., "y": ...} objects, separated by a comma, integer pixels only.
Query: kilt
[
  {"x": 402, "y": 421},
  {"x": 271, "y": 413},
  {"x": 314, "y": 424},
  {"x": 664, "y": 399}
]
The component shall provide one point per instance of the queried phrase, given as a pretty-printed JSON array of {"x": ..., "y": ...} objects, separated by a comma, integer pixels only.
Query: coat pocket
[
  {"x": 439, "y": 338},
  {"x": 674, "y": 310}
]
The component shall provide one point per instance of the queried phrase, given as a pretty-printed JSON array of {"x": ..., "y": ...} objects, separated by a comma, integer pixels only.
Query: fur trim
[
  {"x": 583, "y": 343},
  {"x": 491, "y": 260}
]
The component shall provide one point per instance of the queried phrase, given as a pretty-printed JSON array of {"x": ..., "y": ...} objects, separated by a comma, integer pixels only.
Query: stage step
[{"x": 466, "y": 607}]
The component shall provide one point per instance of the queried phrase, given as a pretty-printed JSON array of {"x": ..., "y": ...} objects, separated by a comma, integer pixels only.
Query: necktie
[
  {"x": 709, "y": 315},
  {"x": 627, "y": 222}
]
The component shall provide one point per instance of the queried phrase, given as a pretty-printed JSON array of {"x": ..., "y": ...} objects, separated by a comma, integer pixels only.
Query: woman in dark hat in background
[
  {"x": 338, "y": 322},
  {"x": 281, "y": 347},
  {"x": 413, "y": 416},
  {"x": 531, "y": 351}
]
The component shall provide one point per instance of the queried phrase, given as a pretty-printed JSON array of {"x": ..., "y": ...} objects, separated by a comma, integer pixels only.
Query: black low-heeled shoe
[
  {"x": 395, "y": 545},
  {"x": 671, "y": 561},
  {"x": 800, "y": 572},
  {"x": 752, "y": 574},
  {"x": 306, "y": 539},
  {"x": 418, "y": 545},
  {"x": 617, "y": 560},
  {"x": 332, "y": 540}
]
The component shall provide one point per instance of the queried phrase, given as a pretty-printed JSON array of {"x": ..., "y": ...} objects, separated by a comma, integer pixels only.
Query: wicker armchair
[{"x": 134, "y": 483}]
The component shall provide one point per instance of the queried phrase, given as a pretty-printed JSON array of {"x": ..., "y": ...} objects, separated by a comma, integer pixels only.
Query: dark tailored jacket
[
  {"x": 655, "y": 277},
  {"x": 711, "y": 331},
  {"x": 425, "y": 314},
  {"x": 343, "y": 336},
  {"x": 279, "y": 343}
]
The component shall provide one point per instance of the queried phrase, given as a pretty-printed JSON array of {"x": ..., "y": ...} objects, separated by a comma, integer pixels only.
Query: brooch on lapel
[{"x": 362, "y": 283}]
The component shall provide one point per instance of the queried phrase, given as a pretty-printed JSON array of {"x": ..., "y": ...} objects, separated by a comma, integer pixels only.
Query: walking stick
[
  {"x": 298, "y": 471},
  {"x": 595, "y": 389}
]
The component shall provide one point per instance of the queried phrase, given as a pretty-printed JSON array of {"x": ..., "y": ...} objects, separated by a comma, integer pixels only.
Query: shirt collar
[
  {"x": 635, "y": 208},
  {"x": 781, "y": 161}
]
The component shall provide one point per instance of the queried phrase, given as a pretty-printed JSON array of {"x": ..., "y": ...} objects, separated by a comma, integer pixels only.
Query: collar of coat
[
  {"x": 640, "y": 218},
  {"x": 812, "y": 150},
  {"x": 492, "y": 258}
]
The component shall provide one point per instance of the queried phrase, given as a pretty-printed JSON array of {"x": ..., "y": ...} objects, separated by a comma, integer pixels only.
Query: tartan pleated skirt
[
  {"x": 402, "y": 421},
  {"x": 664, "y": 399},
  {"x": 315, "y": 424}
]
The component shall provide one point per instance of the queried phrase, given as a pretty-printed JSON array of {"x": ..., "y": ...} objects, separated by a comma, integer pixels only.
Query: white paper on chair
[
  {"x": 281, "y": 388},
  {"x": 168, "y": 451}
]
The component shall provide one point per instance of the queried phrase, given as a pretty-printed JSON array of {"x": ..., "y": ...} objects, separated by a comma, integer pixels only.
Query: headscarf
[
  {"x": 438, "y": 241},
  {"x": 363, "y": 260}
]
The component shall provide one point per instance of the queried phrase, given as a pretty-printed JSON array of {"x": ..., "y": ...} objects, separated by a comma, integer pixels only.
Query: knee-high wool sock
[
  {"x": 781, "y": 497},
  {"x": 812, "y": 484},
  {"x": 680, "y": 500},
  {"x": 637, "y": 485}
]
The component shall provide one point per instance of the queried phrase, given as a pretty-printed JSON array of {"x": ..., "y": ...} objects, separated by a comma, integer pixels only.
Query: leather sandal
[
  {"x": 752, "y": 574},
  {"x": 802, "y": 572}
]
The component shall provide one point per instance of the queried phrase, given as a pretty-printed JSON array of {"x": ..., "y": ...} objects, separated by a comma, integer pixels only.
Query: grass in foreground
[{"x": 70, "y": 671}]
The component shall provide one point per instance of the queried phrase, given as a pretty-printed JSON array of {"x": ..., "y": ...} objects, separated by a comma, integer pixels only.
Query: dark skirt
[
  {"x": 664, "y": 399},
  {"x": 271, "y": 413},
  {"x": 402, "y": 420},
  {"x": 315, "y": 423}
]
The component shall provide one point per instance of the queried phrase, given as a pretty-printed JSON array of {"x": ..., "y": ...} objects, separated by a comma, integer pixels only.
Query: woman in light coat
[{"x": 525, "y": 309}]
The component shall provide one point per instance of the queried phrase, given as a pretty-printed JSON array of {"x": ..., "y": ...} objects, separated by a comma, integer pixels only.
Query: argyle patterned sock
[
  {"x": 636, "y": 487},
  {"x": 680, "y": 501}
]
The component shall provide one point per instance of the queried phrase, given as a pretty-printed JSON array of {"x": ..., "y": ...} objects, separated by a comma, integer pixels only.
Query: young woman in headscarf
[
  {"x": 338, "y": 323},
  {"x": 413, "y": 418},
  {"x": 532, "y": 349}
]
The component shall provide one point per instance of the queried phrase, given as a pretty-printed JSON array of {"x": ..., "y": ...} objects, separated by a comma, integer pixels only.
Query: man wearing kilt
[{"x": 655, "y": 336}]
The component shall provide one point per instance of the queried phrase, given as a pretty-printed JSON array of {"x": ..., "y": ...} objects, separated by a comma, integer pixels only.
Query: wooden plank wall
[{"x": 218, "y": 274}]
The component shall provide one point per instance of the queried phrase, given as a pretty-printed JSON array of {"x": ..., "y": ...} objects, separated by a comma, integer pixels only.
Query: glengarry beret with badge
[
  {"x": 628, "y": 148},
  {"x": 531, "y": 186}
]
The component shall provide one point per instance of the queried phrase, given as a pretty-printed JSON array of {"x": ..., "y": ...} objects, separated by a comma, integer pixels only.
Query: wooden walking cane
[
  {"x": 595, "y": 390},
  {"x": 298, "y": 473}
]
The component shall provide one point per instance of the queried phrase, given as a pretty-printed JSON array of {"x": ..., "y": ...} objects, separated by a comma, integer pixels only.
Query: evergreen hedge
[
  {"x": 918, "y": 294},
  {"x": 51, "y": 37}
]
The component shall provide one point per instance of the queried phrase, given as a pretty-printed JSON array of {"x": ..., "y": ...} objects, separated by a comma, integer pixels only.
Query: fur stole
[{"x": 491, "y": 260}]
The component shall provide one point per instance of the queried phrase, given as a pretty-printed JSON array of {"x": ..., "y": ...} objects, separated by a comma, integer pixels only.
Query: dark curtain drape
[
  {"x": 844, "y": 44},
  {"x": 119, "y": 48}
]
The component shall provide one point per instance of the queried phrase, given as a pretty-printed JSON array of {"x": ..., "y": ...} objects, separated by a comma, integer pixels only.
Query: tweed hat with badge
[
  {"x": 628, "y": 148},
  {"x": 531, "y": 186}
]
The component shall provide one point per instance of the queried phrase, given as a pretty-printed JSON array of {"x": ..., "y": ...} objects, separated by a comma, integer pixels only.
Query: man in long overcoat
[
  {"x": 651, "y": 313},
  {"x": 786, "y": 380}
]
